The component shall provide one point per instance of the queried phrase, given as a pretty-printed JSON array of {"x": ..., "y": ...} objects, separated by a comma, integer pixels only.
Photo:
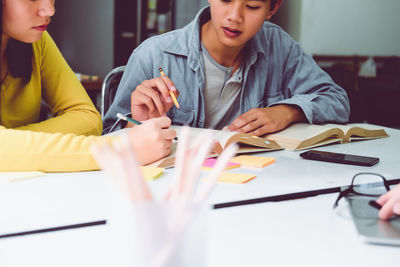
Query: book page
[
  {"x": 304, "y": 135},
  {"x": 361, "y": 131},
  {"x": 221, "y": 136},
  {"x": 247, "y": 142},
  {"x": 169, "y": 161}
]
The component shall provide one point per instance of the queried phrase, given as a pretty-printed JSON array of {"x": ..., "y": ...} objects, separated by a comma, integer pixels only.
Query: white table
[{"x": 304, "y": 232}]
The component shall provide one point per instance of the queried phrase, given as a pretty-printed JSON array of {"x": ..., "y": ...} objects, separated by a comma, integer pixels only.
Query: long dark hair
[{"x": 17, "y": 54}]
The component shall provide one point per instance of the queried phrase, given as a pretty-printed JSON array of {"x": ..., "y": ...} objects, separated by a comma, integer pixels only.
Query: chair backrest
[{"x": 109, "y": 88}]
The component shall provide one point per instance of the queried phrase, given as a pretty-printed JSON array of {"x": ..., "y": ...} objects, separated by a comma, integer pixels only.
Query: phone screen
[{"x": 340, "y": 158}]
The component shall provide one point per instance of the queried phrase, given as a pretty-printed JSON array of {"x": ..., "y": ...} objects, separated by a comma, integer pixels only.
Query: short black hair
[
  {"x": 273, "y": 3},
  {"x": 18, "y": 55}
]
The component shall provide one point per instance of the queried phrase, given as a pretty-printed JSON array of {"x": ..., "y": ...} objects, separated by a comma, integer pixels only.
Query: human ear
[{"x": 273, "y": 11}]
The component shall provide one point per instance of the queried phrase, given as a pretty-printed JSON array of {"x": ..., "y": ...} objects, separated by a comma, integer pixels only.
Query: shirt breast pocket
[{"x": 182, "y": 116}]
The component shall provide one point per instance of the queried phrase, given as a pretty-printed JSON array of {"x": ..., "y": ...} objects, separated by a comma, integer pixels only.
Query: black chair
[{"x": 109, "y": 88}]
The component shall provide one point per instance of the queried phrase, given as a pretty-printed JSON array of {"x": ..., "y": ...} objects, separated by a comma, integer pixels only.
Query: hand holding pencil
[
  {"x": 151, "y": 140},
  {"x": 171, "y": 93},
  {"x": 154, "y": 98}
]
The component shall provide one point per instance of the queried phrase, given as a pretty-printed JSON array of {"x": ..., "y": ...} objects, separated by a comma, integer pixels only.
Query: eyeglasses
[{"x": 365, "y": 184}]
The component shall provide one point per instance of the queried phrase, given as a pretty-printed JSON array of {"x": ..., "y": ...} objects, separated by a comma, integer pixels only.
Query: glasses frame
[{"x": 350, "y": 189}]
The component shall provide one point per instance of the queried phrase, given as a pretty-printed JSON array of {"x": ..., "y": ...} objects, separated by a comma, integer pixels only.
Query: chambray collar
[{"x": 188, "y": 39}]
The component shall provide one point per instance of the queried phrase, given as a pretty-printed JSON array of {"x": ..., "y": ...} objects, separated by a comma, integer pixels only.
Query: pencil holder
[
  {"x": 160, "y": 234},
  {"x": 169, "y": 234}
]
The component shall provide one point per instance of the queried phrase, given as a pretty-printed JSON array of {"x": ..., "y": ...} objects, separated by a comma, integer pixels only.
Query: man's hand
[
  {"x": 260, "y": 121},
  {"x": 151, "y": 99}
]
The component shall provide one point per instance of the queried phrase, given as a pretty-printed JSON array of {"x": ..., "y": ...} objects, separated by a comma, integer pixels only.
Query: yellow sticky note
[
  {"x": 253, "y": 161},
  {"x": 20, "y": 176},
  {"x": 151, "y": 173},
  {"x": 235, "y": 178}
]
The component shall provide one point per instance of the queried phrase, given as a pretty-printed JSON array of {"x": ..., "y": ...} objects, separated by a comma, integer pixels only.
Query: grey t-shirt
[{"x": 221, "y": 90}]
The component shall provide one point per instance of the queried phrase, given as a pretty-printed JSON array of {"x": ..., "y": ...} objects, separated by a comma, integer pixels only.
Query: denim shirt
[{"x": 276, "y": 71}]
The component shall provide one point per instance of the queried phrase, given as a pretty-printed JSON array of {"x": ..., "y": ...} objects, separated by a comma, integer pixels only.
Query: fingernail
[
  {"x": 396, "y": 208},
  {"x": 173, "y": 88},
  {"x": 169, "y": 99}
]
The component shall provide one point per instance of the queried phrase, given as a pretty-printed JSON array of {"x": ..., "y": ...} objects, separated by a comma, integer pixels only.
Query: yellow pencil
[{"x": 170, "y": 92}]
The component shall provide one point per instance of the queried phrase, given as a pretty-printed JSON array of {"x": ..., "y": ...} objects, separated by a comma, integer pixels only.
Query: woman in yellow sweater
[{"x": 32, "y": 69}]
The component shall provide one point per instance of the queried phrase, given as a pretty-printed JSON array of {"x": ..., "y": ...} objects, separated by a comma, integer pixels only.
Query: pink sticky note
[{"x": 210, "y": 163}]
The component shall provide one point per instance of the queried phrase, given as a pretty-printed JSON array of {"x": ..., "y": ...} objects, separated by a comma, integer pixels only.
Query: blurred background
[{"x": 356, "y": 41}]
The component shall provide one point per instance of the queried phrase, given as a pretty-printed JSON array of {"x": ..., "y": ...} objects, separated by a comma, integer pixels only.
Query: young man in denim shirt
[{"x": 233, "y": 69}]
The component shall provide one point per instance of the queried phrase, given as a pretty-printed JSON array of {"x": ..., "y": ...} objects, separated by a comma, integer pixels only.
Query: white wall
[
  {"x": 289, "y": 17},
  {"x": 186, "y": 10},
  {"x": 345, "y": 27},
  {"x": 365, "y": 27},
  {"x": 84, "y": 32}
]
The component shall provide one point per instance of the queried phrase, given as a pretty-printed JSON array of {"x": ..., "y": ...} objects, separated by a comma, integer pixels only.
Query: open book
[
  {"x": 302, "y": 135},
  {"x": 247, "y": 144}
]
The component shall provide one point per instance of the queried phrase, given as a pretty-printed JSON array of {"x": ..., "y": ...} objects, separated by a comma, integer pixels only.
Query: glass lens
[
  {"x": 361, "y": 209},
  {"x": 369, "y": 184}
]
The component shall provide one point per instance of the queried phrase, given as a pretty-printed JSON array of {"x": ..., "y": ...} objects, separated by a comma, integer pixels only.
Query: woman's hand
[{"x": 152, "y": 140}]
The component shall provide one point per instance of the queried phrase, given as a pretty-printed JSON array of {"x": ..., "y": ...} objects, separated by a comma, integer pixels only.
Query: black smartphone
[{"x": 339, "y": 158}]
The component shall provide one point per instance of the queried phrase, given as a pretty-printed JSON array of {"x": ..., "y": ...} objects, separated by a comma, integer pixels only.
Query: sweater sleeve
[
  {"x": 73, "y": 111},
  {"x": 38, "y": 151}
]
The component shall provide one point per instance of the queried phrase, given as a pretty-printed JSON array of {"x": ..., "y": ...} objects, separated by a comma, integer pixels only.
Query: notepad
[
  {"x": 253, "y": 161},
  {"x": 210, "y": 163},
  {"x": 19, "y": 176},
  {"x": 151, "y": 173},
  {"x": 235, "y": 178}
]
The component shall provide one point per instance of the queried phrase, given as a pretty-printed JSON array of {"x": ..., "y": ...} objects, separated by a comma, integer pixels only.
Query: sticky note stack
[
  {"x": 210, "y": 163},
  {"x": 246, "y": 161},
  {"x": 20, "y": 176},
  {"x": 235, "y": 178},
  {"x": 253, "y": 161}
]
